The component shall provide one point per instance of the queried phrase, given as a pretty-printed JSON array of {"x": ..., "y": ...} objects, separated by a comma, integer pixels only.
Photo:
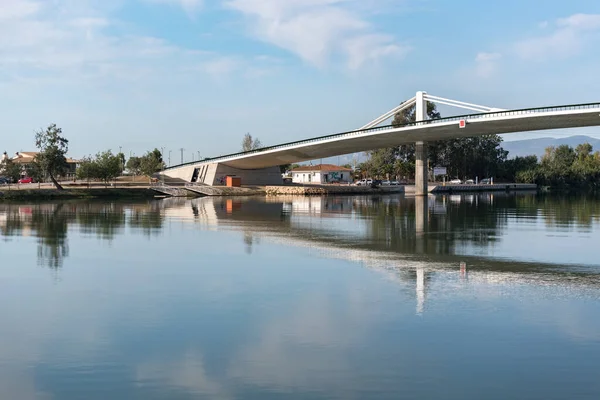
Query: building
[
  {"x": 322, "y": 173},
  {"x": 25, "y": 158}
]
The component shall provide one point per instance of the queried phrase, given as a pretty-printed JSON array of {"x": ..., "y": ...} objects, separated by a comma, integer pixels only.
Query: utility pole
[
  {"x": 169, "y": 158},
  {"x": 181, "y": 149},
  {"x": 198, "y": 155}
]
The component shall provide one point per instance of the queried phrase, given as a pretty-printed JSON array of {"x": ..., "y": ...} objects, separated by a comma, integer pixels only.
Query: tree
[
  {"x": 11, "y": 169},
  {"x": 107, "y": 166},
  {"x": 249, "y": 144},
  {"x": 53, "y": 149},
  {"x": 35, "y": 171},
  {"x": 134, "y": 165},
  {"x": 121, "y": 157},
  {"x": 87, "y": 169},
  {"x": 151, "y": 163}
]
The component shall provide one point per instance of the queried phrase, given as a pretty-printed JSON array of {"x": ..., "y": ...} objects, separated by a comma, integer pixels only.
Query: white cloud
[
  {"x": 486, "y": 64},
  {"x": 569, "y": 37},
  {"x": 42, "y": 40},
  {"x": 18, "y": 9},
  {"x": 316, "y": 30},
  {"x": 581, "y": 22},
  {"x": 190, "y": 6}
]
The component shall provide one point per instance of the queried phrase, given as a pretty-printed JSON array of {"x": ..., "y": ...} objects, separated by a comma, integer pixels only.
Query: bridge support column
[{"x": 421, "y": 170}]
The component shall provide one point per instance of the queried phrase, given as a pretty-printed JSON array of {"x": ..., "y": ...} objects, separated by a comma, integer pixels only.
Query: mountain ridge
[{"x": 521, "y": 148}]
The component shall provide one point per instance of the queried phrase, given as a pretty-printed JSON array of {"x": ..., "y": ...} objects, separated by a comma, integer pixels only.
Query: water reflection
[
  {"x": 517, "y": 234},
  {"x": 52, "y": 223},
  {"x": 261, "y": 298}
]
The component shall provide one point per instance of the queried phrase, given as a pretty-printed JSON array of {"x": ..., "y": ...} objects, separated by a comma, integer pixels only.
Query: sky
[{"x": 132, "y": 75}]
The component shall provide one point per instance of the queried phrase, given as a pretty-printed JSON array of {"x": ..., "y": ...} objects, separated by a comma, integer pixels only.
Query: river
[{"x": 488, "y": 296}]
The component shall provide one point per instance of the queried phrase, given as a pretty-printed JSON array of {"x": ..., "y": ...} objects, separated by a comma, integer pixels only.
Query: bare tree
[{"x": 249, "y": 144}]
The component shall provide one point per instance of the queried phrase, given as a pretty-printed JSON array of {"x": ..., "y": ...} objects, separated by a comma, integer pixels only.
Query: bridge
[{"x": 261, "y": 166}]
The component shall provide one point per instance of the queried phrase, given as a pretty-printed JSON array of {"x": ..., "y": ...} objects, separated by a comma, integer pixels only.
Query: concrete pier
[{"x": 421, "y": 169}]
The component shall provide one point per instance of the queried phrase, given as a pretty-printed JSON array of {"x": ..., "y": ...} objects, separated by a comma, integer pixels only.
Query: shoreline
[
  {"x": 152, "y": 192},
  {"x": 71, "y": 194}
]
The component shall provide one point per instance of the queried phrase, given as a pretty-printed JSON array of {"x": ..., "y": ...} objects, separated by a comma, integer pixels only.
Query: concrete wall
[
  {"x": 259, "y": 177},
  {"x": 214, "y": 173}
]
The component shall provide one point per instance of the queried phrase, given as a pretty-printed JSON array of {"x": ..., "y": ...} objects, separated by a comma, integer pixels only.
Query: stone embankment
[
  {"x": 324, "y": 190},
  {"x": 6, "y": 194}
]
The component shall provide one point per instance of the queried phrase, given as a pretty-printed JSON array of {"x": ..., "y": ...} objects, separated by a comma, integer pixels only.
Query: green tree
[
  {"x": 249, "y": 143},
  {"x": 35, "y": 171},
  {"x": 151, "y": 163},
  {"x": 134, "y": 165},
  {"x": 121, "y": 162},
  {"x": 107, "y": 166},
  {"x": 53, "y": 149},
  {"x": 86, "y": 170},
  {"x": 11, "y": 170}
]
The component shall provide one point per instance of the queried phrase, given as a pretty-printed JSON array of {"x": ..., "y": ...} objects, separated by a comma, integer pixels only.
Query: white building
[{"x": 322, "y": 173}]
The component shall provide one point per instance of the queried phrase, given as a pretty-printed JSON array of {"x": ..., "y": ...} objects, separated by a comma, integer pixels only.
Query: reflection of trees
[
  {"x": 51, "y": 228},
  {"x": 146, "y": 218},
  {"x": 569, "y": 211},
  {"x": 394, "y": 223},
  {"x": 49, "y": 223},
  {"x": 250, "y": 240},
  {"x": 451, "y": 221},
  {"x": 102, "y": 220},
  {"x": 12, "y": 224}
]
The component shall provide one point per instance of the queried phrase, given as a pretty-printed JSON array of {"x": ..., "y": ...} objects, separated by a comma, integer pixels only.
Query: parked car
[
  {"x": 4, "y": 180},
  {"x": 470, "y": 182},
  {"x": 364, "y": 182},
  {"x": 26, "y": 179},
  {"x": 386, "y": 183},
  {"x": 394, "y": 183},
  {"x": 486, "y": 181},
  {"x": 456, "y": 181}
]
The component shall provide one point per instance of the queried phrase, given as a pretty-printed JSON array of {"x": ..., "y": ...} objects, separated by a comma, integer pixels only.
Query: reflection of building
[
  {"x": 26, "y": 158},
  {"x": 322, "y": 173}
]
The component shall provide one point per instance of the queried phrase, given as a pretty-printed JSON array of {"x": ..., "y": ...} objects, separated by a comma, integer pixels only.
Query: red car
[{"x": 27, "y": 179}]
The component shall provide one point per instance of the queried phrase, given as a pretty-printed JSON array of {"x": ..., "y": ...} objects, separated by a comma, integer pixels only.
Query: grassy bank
[{"x": 67, "y": 194}]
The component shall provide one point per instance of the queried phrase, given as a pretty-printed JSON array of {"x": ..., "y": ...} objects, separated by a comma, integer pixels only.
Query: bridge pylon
[{"x": 421, "y": 154}]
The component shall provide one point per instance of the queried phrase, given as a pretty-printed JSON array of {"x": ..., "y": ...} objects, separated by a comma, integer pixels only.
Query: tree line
[
  {"x": 51, "y": 162},
  {"x": 106, "y": 166},
  {"x": 565, "y": 168}
]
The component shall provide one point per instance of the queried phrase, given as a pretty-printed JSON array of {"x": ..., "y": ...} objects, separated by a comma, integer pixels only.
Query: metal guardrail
[{"x": 494, "y": 114}]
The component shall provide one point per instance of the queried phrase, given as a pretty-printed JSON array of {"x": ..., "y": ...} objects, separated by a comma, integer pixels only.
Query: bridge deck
[{"x": 535, "y": 119}]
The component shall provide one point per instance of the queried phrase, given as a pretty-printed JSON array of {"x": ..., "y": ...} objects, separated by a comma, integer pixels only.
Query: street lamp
[{"x": 169, "y": 158}]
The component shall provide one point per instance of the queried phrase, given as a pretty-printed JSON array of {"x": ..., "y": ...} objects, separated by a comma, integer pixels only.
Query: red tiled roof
[
  {"x": 320, "y": 167},
  {"x": 25, "y": 157}
]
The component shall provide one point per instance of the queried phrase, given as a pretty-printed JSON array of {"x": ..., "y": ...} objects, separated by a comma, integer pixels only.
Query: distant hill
[{"x": 538, "y": 146}]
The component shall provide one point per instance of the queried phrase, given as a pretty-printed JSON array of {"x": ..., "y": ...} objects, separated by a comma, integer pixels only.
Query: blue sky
[{"x": 199, "y": 74}]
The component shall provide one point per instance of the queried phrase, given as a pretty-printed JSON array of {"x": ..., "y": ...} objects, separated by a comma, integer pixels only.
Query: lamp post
[{"x": 169, "y": 158}]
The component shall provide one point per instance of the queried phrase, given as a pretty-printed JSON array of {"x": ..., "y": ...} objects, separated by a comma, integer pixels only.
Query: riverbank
[
  {"x": 483, "y": 188},
  {"x": 7, "y": 194}
]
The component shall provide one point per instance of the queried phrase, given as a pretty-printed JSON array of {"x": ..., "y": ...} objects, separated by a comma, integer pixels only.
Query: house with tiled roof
[
  {"x": 27, "y": 157},
  {"x": 322, "y": 173}
]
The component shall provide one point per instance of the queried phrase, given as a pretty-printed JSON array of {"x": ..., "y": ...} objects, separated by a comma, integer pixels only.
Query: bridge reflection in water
[{"x": 410, "y": 239}]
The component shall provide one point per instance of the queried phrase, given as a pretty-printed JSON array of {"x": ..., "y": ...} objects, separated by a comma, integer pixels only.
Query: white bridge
[{"x": 260, "y": 167}]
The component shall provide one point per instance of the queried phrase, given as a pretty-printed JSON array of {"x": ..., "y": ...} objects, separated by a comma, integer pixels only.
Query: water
[{"x": 307, "y": 298}]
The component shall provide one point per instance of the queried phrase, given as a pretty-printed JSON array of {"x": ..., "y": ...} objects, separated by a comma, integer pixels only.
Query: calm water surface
[{"x": 454, "y": 297}]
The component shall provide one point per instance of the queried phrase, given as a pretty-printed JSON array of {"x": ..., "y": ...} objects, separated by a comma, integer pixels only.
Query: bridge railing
[{"x": 494, "y": 114}]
